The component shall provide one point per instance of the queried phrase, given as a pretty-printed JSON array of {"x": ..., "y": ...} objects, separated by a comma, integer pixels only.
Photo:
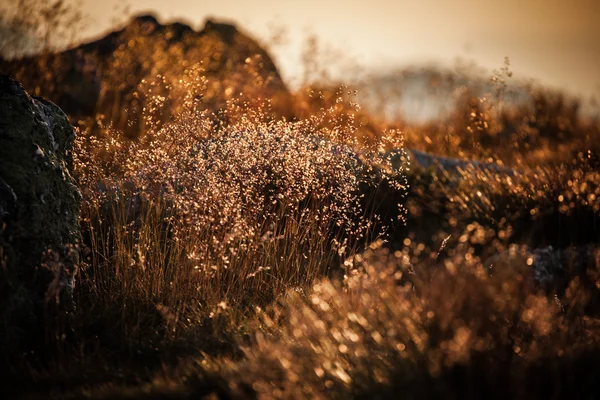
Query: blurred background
[
  {"x": 554, "y": 41},
  {"x": 409, "y": 60}
]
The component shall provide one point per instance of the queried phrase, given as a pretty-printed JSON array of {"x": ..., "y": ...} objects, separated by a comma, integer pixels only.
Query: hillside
[
  {"x": 110, "y": 77},
  {"x": 175, "y": 223}
]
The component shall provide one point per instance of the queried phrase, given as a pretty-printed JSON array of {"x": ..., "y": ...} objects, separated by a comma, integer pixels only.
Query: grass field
[{"x": 231, "y": 252}]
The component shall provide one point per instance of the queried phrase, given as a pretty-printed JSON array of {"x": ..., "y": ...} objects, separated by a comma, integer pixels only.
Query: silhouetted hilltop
[{"x": 110, "y": 77}]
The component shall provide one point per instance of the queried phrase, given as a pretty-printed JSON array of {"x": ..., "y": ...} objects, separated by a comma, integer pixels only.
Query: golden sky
[{"x": 557, "y": 42}]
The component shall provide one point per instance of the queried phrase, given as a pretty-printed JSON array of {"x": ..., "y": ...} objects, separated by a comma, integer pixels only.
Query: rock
[
  {"x": 452, "y": 166},
  {"x": 543, "y": 267},
  {"x": 111, "y": 78},
  {"x": 39, "y": 211},
  {"x": 553, "y": 270}
]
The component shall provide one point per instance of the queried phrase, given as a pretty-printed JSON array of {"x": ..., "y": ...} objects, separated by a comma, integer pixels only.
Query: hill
[{"x": 111, "y": 77}]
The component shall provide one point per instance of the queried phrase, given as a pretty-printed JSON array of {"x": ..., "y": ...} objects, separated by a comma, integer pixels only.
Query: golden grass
[{"x": 238, "y": 254}]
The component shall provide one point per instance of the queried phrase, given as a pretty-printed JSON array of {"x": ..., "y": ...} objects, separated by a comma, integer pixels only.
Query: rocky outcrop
[
  {"x": 115, "y": 79},
  {"x": 39, "y": 211}
]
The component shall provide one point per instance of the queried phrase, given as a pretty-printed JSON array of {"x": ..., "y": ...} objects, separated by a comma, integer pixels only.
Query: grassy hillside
[{"x": 244, "y": 241}]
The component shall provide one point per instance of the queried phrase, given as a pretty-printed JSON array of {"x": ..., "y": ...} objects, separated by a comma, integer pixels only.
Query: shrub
[{"x": 196, "y": 221}]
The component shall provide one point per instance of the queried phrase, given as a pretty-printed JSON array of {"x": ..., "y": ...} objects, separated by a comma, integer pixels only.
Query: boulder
[
  {"x": 39, "y": 212},
  {"x": 118, "y": 76},
  {"x": 453, "y": 167},
  {"x": 554, "y": 270}
]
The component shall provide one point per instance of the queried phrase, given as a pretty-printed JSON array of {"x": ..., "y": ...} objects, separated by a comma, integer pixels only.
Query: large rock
[
  {"x": 39, "y": 211},
  {"x": 114, "y": 78}
]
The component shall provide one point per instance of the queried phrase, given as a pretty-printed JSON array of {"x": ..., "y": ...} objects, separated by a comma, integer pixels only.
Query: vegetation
[{"x": 235, "y": 253}]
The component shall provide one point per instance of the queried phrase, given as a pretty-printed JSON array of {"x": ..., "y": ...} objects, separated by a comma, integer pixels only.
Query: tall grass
[
  {"x": 393, "y": 330},
  {"x": 238, "y": 253},
  {"x": 196, "y": 225}
]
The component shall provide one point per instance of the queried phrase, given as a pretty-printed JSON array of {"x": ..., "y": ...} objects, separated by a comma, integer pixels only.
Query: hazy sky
[{"x": 555, "y": 41}]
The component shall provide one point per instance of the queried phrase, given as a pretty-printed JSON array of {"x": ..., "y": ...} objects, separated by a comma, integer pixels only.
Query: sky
[{"x": 555, "y": 42}]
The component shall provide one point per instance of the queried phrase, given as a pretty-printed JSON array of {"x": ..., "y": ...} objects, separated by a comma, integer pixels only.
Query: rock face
[
  {"x": 111, "y": 78},
  {"x": 39, "y": 210}
]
